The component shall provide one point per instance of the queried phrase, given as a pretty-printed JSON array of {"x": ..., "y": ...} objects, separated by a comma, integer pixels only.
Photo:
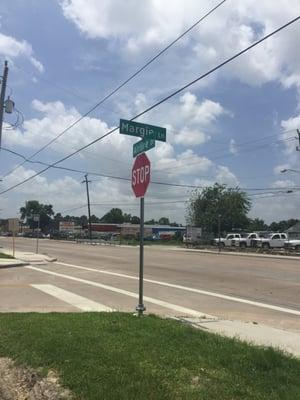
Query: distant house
[{"x": 294, "y": 231}]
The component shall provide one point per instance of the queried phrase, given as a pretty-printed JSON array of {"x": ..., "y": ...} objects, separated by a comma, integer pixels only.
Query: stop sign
[{"x": 140, "y": 176}]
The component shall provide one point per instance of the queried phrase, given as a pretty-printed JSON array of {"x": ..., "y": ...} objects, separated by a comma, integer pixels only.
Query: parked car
[
  {"x": 227, "y": 241},
  {"x": 275, "y": 240},
  {"x": 293, "y": 244},
  {"x": 248, "y": 241}
]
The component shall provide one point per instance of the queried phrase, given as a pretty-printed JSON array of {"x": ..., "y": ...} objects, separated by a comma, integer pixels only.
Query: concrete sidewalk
[
  {"x": 27, "y": 258},
  {"x": 257, "y": 334}
]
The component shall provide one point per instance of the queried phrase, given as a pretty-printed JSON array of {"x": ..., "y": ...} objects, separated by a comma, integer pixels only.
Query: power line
[
  {"x": 158, "y": 103},
  {"x": 102, "y": 175},
  {"x": 177, "y": 185},
  {"x": 135, "y": 205},
  {"x": 124, "y": 83},
  {"x": 225, "y": 155}
]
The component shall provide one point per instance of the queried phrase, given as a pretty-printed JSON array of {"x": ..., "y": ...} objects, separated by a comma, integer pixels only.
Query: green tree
[
  {"x": 282, "y": 226},
  {"x": 114, "y": 216},
  {"x": 94, "y": 219},
  {"x": 257, "y": 224},
  {"x": 164, "y": 221},
  {"x": 151, "y": 222},
  {"x": 135, "y": 219},
  {"x": 205, "y": 207},
  {"x": 45, "y": 211},
  {"x": 127, "y": 218}
]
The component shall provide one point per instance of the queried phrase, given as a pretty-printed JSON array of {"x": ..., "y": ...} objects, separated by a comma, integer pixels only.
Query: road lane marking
[
  {"x": 189, "y": 289},
  {"x": 174, "y": 307},
  {"x": 75, "y": 300}
]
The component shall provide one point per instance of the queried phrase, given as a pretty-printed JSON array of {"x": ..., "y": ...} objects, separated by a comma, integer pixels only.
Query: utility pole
[
  {"x": 2, "y": 98},
  {"x": 86, "y": 181},
  {"x": 298, "y": 147}
]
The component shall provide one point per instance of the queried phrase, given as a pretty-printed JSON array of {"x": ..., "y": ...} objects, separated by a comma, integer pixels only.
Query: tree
[
  {"x": 126, "y": 218},
  {"x": 257, "y": 224},
  {"x": 205, "y": 207},
  {"x": 164, "y": 221},
  {"x": 94, "y": 219},
  {"x": 282, "y": 226},
  {"x": 151, "y": 222},
  {"x": 135, "y": 219},
  {"x": 114, "y": 216},
  {"x": 45, "y": 211}
]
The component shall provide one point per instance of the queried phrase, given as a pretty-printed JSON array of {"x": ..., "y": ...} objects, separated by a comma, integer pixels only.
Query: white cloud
[
  {"x": 291, "y": 140},
  {"x": 112, "y": 156},
  {"x": 194, "y": 121},
  {"x": 12, "y": 48},
  {"x": 224, "y": 175},
  {"x": 276, "y": 208},
  {"x": 143, "y": 25},
  {"x": 283, "y": 183},
  {"x": 205, "y": 113},
  {"x": 190, "y": 137},
  {"x": 232, "y": 147}
]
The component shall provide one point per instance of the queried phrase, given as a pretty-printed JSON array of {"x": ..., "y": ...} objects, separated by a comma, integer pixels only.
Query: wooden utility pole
[
  {"x": 86, "y": 181},
  {"x": 2, "y": 98}
]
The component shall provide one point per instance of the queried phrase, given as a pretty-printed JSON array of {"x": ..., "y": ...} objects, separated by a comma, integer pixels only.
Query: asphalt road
[{"x": 177, "y": 282}]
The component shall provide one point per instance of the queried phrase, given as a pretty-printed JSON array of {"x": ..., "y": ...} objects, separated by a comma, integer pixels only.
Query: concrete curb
[
  {"x": 278, "y": 256},
  {"x": 31, "y": 258},
  {"x": 16, "y": 263}
]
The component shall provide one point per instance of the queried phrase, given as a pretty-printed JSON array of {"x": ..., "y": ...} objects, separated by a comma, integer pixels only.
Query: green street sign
[
  {"x": 142, "y": 146},
  {"x": 144, "y": 131}
]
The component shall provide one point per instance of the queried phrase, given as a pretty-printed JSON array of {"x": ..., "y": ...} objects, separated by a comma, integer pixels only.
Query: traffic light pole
[{"x": 140, "y": 307}]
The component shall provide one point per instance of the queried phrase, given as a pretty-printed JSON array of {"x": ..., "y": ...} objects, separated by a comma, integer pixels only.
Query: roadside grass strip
[
  {"x": 118, "y": 356},
  {"x": 6, "y": 256}
]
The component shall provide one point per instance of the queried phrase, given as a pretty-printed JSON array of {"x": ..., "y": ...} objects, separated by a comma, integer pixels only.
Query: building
[
  {"x": 132, "y": 230},
  {"x": 294, "y": 231},
  {"x": 69, "y": 227}
]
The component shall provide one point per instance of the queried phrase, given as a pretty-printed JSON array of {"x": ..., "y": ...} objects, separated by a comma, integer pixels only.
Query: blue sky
[{"x": 66, "y": 55}]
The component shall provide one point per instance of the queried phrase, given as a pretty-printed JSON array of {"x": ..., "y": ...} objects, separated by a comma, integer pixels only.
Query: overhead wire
[
  {"x": 149, "y": 203},
  {"x": 158, "y": 103},
  {"x": 102, "y": 175},
  {"x": 218, "y": 157}
]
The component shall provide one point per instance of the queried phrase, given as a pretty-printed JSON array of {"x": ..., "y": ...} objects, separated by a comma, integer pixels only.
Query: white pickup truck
[
  {"x": 227, "y": 241},
  {"x": 292, "y": 244},
  {"x": 273, "y": 241},
  {"x": 247, "y": 241}
]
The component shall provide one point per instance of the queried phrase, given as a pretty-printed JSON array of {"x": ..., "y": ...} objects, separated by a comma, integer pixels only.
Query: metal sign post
[
  {"x": 140, "y": 307},
  {"x": 13, "y": 243},
  {"x": 140, "y": 178},
  {"x": 36, "y": 218}
]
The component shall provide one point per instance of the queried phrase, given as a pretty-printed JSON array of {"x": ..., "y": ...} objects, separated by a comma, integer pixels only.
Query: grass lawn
[
  {"x": 3, "y": 255},
  {"x": 120, "y": 356}
]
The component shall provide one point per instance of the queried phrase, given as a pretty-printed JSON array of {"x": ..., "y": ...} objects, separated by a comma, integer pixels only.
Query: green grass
[
  {"x": 3, "y": 255},
  {"x": 120, "y": 356}
]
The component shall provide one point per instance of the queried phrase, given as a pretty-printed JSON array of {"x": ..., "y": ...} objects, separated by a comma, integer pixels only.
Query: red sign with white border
[{"x": 140, "y": 176}]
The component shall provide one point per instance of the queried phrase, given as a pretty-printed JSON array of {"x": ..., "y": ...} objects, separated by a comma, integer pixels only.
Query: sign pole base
[{"x": 140, "y": 307}]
